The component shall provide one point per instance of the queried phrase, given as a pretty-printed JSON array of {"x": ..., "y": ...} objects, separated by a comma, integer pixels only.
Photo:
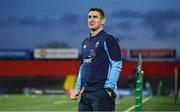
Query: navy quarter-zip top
[{"x": 101, "y": 62}]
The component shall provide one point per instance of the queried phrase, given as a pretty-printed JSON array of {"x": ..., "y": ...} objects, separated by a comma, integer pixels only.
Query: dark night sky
[{"x": 137, "y": 23}]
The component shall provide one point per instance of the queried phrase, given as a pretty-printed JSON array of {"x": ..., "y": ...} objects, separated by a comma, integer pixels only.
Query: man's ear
[{"x": 103, "y": 21}]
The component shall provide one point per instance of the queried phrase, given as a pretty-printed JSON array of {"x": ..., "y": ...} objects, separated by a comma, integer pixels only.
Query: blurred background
[{"x": 40, "y": 44}]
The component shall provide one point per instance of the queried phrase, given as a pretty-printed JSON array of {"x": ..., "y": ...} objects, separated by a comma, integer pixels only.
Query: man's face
[{"x": 95, "y": 20}]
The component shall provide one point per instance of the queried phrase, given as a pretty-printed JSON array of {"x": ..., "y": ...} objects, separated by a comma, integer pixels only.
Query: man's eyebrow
[{"x": 92, "y": 16}]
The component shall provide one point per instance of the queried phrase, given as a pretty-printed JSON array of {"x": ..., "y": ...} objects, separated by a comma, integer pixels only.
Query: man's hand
[
  {"x": 109, "y": 92},
  {"x": 75, "y": 94}
]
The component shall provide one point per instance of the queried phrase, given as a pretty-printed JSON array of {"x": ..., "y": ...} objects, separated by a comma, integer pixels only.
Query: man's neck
[{"x": 93, "y": 33}]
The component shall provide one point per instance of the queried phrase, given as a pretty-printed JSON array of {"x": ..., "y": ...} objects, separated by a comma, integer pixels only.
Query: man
[{"x": 100, "y": 67}]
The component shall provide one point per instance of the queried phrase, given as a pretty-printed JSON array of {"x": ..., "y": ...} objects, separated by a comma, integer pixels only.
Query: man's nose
[{"x": 91, "y": 19}]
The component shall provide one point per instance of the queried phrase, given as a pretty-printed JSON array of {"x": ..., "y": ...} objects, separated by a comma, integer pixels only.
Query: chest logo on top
[
  {"x": 90, "y": 57},
  {"x": 84, "y": 46},
  {"x": 97, "y": 44}
]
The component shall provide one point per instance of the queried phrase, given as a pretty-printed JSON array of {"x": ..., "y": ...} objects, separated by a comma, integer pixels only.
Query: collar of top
[{"x": 98, "y": 34}]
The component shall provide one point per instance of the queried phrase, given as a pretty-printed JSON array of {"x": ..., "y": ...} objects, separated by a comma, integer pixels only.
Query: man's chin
[{"x": 93, "y": 29}]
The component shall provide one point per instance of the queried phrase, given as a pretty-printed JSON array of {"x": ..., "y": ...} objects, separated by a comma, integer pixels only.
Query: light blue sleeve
[
  {"x": 80, "y": 79},
  {"x": 114, "y": 67}
]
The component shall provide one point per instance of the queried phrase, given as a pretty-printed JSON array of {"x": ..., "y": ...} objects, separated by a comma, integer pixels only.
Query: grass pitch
[{"x": 63, "y": 103}]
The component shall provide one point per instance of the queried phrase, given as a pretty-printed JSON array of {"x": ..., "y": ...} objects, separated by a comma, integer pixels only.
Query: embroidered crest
[{"x": 97, "y": 44}]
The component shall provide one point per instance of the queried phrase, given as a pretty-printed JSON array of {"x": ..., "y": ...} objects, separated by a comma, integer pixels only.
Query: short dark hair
[{"x": 98, "y": 9}]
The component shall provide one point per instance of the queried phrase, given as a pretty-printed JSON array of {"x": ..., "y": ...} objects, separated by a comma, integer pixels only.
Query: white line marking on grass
[
  {"x": 60, "y": 102},
  {"x": 132, "y": 107}
]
